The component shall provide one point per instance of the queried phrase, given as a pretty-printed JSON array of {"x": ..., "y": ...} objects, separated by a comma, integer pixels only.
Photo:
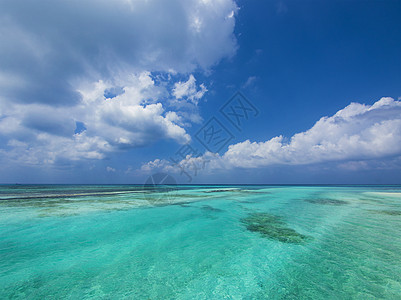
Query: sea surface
[{"x": 200, "y": 242}]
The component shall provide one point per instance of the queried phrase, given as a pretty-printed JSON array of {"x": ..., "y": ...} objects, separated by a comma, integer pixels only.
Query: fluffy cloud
[
  {"x": 49, "y": 46},
  {"x": 39, "y": 133},
  {"x": 189, "y": 90},
  {"x": 186, "y": 99},
  {"x": 156, "y": 164},
  {"x": 67, "y": 63},
  {"x": 357, "y": 133},
  {"x": 110, "y": 169}
]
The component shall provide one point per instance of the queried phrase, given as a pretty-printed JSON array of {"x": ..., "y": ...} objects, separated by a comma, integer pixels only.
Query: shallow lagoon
[{"x": 200, "y": 242}]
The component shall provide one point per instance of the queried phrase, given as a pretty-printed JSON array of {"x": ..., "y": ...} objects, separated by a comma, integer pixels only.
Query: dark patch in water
[
  {"x": 218, "y": 191},
  {"x": 241, "y": 191},
  {"x": 250, "y": 192},
  {"x": 211, "y": 208},
  {"x": 247, "y": 201},
  {"x": 273, "y": 227},
  {"x": 247, "y": 208},
  {"x": 326, "y": 201},
  {"x": 387, "y": 212}
]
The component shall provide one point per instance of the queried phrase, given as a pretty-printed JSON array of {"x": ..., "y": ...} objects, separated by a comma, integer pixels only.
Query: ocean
[{"x": 200, "y": 242}]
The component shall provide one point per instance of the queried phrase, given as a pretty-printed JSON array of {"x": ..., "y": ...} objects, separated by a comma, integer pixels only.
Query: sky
[{"x": 224, "y": 91}]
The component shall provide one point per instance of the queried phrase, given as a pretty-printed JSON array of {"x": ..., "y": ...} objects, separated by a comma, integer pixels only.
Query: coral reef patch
[
  {"x": 325, "y": 201},
  {"x": 273, "y": 227}
]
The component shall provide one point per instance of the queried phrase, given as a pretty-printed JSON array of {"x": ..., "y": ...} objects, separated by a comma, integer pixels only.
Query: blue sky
[{"x": 109, "y": 91}]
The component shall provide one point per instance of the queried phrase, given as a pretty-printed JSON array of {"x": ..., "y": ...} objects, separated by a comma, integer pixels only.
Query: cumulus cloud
[
  {"x": 49, "y": 46},
  {"x": 357, "y": 133},
  {"x": 110, "y": 169},
  {"x": 188, "y": 90},
  {"x": 156, "y": 164},
  {"x": 187, "y": 95},
  {"x": 40, "y": 133},
  {"x": 70, "y": 64},
  {"x": 45, "y": 148}
]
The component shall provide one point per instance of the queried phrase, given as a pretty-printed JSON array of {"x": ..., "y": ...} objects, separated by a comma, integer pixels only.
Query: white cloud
[
  {"x": 40, "y": 133},
  {"x": 54, "y": 74},
  {"x": 187, "y": 95},
  {"x": 392, "y": 163},
  {"x": 110, "y": 169},
  {"x": 188, "y": 90},
  {"x": 42, "y": 59},
  {"x": 249, "y": 82},
  {"x": 356, "y": 133},
  {"x": 156, "y": 164},
  {"x": 45, "y": 148}
]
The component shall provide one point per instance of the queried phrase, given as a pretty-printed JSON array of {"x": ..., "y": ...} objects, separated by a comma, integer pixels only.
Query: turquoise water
[{"x": 200, "y": 242}]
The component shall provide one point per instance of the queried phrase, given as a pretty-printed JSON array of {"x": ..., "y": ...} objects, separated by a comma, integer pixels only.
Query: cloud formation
[
  {"x": 356, "y": 133},
  {"x": 78, "y": 79},
  {"x": 49, "y": 46},
  {"x": 188, "y": 90},
  {"x": 39, "y": 133}
]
